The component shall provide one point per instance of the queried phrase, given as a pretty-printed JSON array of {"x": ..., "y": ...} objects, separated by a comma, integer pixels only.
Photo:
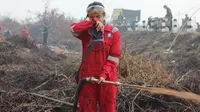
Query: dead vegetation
[
  {"x": 149, "y": 64},
  {"x": 142, "y": 71},
  {"x": 25, "y": 69},
  {"x": 36, "y": 79}
]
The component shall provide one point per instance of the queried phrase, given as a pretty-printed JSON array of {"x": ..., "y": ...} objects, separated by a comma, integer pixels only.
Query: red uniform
[
  {"x": 26, "y": 33},
  {"x": 101, "y": 62},
  {"x": 0, "y": 28}
]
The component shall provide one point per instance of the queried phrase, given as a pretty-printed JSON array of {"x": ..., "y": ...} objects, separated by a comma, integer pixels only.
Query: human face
[{"x": 97, "y": 16}]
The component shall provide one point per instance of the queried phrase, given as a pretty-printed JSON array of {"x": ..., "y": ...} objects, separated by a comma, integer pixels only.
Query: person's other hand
[
  {"x": 101, "y": 80},
  {"x": 99, "y": 26}
]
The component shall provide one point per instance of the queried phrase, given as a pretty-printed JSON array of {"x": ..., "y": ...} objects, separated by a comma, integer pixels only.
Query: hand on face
[
  {"x": 99, "y": 26},
  {"x": 98, "y": 18}
]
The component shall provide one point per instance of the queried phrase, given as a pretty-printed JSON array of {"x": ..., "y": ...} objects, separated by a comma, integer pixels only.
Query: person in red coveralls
[
  {"x": 26, "y": 33},
  {"x": 27, "y": 36},
  {"x": 101, "y": 63},
  {"x": 0, "y": 28}
]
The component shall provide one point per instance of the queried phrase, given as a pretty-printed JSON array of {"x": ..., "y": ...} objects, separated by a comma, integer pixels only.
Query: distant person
[
  {"x": 186, "y": 17},
  {"x": 184, "y": 23},
  {"x": 149, "y": 22},
  {"x": 45, "y": 33},
  {"x": 0, "y": 28},
  {"x": 198, "y": 27},
  {"x": 169, "y": 16},
  {"x": 26, "y": 33}
]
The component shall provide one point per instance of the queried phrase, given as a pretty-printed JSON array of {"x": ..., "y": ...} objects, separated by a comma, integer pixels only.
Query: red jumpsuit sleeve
[
  {"x": 79, "y": 28},
  {"x": 114, "y": 56}
]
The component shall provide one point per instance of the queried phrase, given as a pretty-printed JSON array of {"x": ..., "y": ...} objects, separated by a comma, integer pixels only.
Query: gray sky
[{"x": 76, "y": 8}]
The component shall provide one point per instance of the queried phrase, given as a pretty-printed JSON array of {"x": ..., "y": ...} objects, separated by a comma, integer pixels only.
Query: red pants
[{"x": 92, "y": 94}]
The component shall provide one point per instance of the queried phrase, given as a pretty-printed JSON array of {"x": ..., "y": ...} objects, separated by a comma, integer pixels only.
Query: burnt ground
[
  {"x": 26, "y": 69},
  {"x": 183, "y": 57}
]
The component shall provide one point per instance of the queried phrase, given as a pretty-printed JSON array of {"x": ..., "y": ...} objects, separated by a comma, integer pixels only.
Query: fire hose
[{"x": 155, "y": 90}]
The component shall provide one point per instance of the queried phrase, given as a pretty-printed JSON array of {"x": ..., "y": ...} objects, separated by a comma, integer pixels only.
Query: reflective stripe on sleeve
[
  {"x": 72, "y": 30},
  {"x": 115, "y": 59}
]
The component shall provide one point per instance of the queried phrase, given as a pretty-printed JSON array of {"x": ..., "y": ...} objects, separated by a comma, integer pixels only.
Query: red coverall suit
[
  {"x": 26, "y": 33},
  {"x": 101, "y": 62},
  {"x": 0, "y": 28}
]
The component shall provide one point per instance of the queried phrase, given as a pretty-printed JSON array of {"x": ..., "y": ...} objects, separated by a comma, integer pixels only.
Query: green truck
[{"x": 125, "y": 19}]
